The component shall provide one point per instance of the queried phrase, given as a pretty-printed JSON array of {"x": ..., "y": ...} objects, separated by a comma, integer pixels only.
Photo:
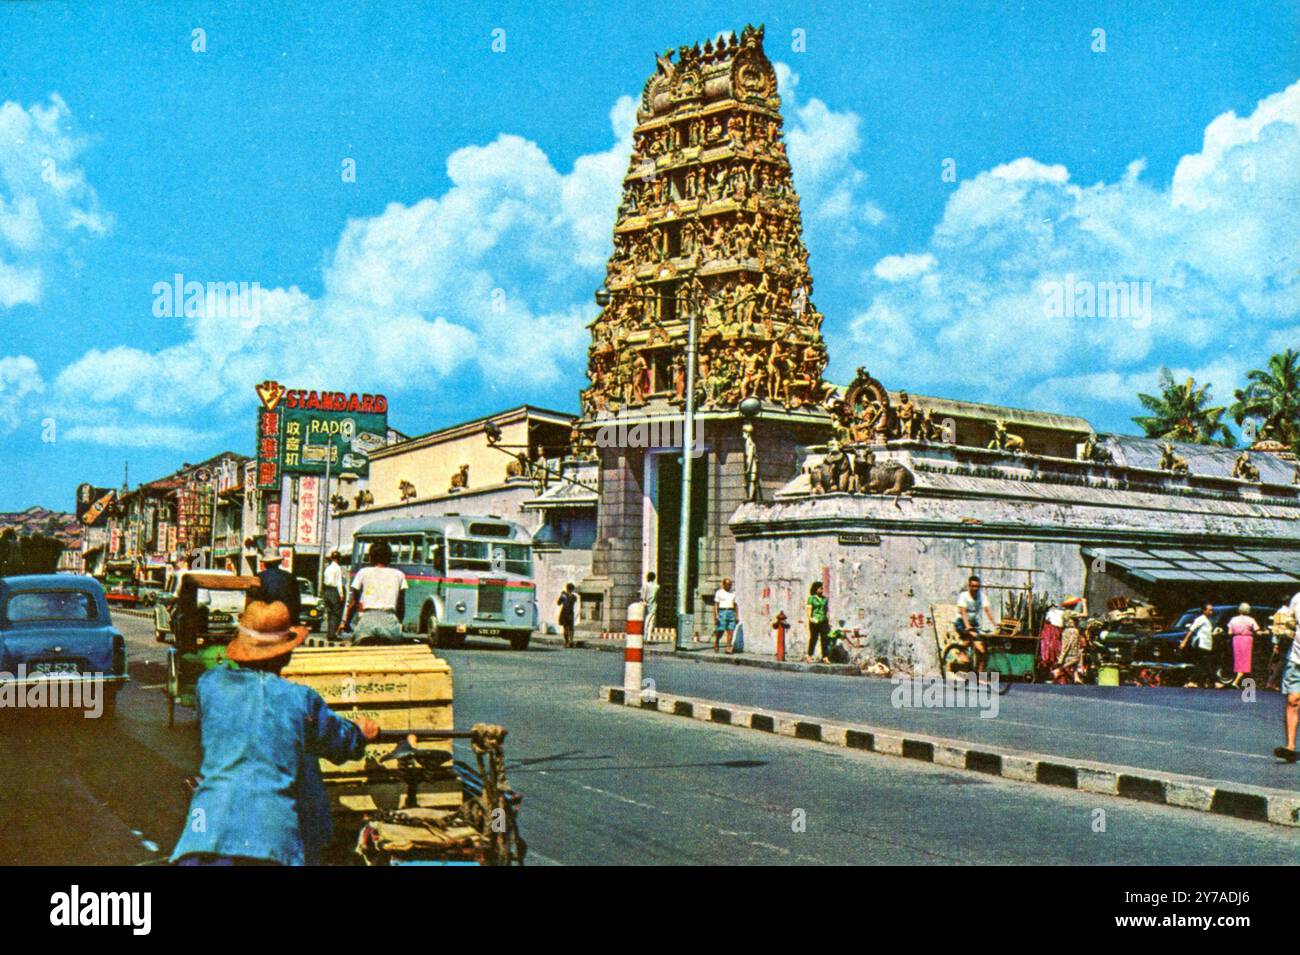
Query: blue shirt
[{"x": 260, "y": 792}]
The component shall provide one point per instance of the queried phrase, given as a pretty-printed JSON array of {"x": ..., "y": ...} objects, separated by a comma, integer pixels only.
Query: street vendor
[
  {"x": 1070, "y": 655},
  {"x": 260, "y": 798}
]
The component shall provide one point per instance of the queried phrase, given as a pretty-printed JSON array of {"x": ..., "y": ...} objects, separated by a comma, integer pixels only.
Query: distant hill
[{"x": 41, "y": 520}]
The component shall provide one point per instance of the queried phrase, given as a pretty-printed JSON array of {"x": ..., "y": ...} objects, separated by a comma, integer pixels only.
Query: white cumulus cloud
[{"x": 1210, "y": 259}]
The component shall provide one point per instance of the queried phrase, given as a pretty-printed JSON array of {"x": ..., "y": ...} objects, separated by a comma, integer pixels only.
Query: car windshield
[
  {"x": 1185, "y": 621},
  {"x": 489, "y": 557},
  {"x": 67, "y": 605},
  {"x": 305, "y": 588}
]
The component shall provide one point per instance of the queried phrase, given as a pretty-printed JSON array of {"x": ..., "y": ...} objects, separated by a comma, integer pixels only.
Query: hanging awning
[{"x": 1173, "y": 565}]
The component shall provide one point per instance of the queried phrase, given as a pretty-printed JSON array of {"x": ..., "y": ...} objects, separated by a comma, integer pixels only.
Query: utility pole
[
  {"x": 325, "y": 533},
  {"x": 685, "y": 619}
]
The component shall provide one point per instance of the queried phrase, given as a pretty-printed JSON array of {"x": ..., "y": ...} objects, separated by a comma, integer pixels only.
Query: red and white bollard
[{"x": 632, "y": 652}]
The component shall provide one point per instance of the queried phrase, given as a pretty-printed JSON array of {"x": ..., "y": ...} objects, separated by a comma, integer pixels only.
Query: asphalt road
[{"x": 605, "y": 785}]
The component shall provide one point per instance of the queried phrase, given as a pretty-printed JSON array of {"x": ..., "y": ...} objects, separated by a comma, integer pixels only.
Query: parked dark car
[
  {"x": 1163, "y": 646},
  {"x": 56, "y": 627}
]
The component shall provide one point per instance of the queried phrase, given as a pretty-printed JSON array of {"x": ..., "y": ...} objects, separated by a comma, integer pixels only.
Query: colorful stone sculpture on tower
[{"x": 710, "y": 224}]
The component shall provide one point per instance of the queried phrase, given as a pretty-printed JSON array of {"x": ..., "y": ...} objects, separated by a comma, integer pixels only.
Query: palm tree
[
  {"x": 1180, "y": 413},
  {"x": 1273, "y": 398}
]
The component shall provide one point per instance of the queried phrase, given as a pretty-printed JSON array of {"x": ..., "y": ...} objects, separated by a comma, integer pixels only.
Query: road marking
[{"x": 1129, "y": 739}]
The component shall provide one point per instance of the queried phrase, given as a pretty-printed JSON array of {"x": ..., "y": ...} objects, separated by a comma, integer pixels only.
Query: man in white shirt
[
  {"x": 1200, "y": 634},
  {"x": 724, "y": 614},
  {"x": 334, "y": 594},
  {"x": 379, "y": 593},
  {"x": 973, "y": 613}
]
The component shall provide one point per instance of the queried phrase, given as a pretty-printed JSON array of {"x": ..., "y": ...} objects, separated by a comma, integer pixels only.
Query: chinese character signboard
[
  {"x": 272, "y": 524},
  {"x": 194, "y": 515},
  {"x": 269, "y": 425},
  {"x": 308, "y": 511}
]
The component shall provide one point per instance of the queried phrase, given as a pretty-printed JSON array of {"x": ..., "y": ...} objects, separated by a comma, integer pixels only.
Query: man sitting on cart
[
  {"x": 973, "y": 610},
  {"x": 260, "y": 798}
]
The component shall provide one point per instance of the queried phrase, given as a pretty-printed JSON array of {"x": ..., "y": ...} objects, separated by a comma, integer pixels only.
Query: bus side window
[{"x": 435, "y": 553}]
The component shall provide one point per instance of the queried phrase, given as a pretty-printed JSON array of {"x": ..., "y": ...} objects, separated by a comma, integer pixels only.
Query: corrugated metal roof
[
  {"x": 1165, "y": 565},
  {"x": 1201, "y": 459}
]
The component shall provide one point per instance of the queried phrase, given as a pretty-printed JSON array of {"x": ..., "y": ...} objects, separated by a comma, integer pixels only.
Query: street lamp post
[{"x": 686, "y": 619}]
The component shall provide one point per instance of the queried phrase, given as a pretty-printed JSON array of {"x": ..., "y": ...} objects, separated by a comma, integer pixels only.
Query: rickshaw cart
[
  {"x": 409, "y": 804},
  {"x": 197, "y": 648},
  {"x": 1011, "y": 655}
]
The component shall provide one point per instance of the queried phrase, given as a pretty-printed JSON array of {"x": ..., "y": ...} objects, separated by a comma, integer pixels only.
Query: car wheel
[
  {"x": 110, "y": 703},
  {"x": 519, "y": 641}
]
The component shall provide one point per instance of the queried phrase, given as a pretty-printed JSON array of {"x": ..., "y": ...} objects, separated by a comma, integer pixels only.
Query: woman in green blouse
[{"x": 818, "y": 625}]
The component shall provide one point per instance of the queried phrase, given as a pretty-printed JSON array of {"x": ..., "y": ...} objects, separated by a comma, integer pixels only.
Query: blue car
[{"x": 56, "y": 628}]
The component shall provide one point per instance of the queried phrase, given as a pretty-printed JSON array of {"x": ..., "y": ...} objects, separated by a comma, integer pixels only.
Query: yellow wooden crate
[{"x": 399, "y": 687}]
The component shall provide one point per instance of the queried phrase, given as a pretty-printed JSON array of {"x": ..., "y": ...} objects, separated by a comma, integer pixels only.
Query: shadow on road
[{"x": 75, "y": 791}]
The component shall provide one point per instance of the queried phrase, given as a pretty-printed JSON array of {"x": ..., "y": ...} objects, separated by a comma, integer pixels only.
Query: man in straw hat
[{"x": 260, "y": 798}]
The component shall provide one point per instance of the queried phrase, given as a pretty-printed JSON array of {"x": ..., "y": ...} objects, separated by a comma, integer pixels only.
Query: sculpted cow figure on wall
[
  {"x": 834, "y": 473},
  {"x": 880, "y": 477},
  {"x": 858, "y": 472}
]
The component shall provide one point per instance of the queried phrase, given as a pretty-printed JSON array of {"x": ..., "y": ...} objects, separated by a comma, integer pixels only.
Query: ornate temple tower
[
  {"x": 708, "y": 228},
  {"x": 709, "y": 223}
]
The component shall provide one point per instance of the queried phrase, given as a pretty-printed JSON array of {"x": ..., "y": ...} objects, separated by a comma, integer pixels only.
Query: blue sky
[{"x": 1171, "y": 158}]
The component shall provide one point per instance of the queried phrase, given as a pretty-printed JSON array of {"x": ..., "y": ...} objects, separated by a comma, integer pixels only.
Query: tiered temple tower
[
  {"x": 709, "y": 223},
  {"x": 708, "y": 226}
]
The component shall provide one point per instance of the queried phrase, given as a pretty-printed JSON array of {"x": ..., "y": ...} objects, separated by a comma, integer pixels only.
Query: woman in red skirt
[{"x": 1049, "y": 638}]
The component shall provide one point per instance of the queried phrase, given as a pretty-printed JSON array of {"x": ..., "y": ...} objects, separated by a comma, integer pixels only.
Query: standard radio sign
[
  {"x": 341, "y": 429},
  {"x": 313, "y": 428}
]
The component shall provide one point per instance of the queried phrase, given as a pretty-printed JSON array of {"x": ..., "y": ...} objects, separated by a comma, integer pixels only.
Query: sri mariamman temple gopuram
[{"x": 891, "y": 499}]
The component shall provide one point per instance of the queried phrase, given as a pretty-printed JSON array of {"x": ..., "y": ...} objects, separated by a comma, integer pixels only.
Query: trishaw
[
  {"x": 482, "y": 830},
  {"x": 197, "y": 649},
  {"x": 1011, "y": 655}
]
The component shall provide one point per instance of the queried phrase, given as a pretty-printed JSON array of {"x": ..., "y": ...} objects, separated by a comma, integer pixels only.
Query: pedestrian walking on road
[
  {"x": 724, "y": 615},
  {"x": 568, "y": 604},
  {"x": 260, "y": 795},
  {"x": 1291, "y": 688},
  {"x": 650, "y": 597},
  {"x": 1243, "y": 629},
  {"x": 379, "y": 596},
  {"x": 818, "y": 625},
  {"x": 1200, "y": 635},
  {"x": 334, "y": 595}
]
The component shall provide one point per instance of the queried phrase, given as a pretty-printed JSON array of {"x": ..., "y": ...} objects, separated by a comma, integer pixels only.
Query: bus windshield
[{"x": 490, "y": 557}]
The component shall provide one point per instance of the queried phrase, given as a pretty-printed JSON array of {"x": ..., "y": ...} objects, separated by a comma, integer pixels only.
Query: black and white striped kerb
[{"x": 1278, "y": 806}]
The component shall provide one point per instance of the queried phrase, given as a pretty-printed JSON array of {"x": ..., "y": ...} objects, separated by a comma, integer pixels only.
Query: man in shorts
[
  {"x": 972, "y": 611},
  {"x": 724, "y": 615},
  {"x": 1291, "y": 689}
]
